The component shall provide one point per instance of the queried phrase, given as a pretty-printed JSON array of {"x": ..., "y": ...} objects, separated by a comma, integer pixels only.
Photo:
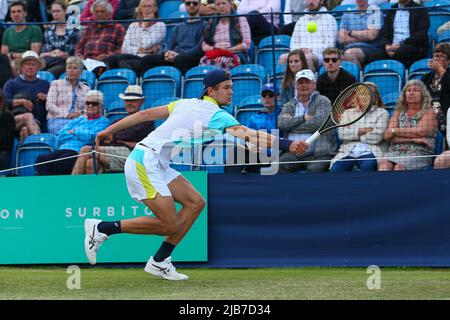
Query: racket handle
[{"x": 313, "y": 138}]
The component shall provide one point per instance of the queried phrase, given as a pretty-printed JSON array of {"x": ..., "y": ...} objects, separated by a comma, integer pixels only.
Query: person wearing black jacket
[
  {"x": 438, "y": 83},
  {"x": 7, "y": 134},
  {"x": 405, "y": 41},
  {"x": 126, "y": 10}
]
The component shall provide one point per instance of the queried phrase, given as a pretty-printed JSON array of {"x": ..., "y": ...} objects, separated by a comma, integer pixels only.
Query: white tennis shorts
[{"x": 146, "y": 175}]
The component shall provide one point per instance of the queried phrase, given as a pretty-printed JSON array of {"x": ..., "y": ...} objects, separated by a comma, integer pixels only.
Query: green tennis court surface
[{"x": 224, "y": 284}]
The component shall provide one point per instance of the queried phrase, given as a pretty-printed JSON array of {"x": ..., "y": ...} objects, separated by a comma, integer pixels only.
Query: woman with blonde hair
[
  {"x": 143, "y": 37},
  {"x": 412, "y": 130},
  {"x": 362, "y": 142}
]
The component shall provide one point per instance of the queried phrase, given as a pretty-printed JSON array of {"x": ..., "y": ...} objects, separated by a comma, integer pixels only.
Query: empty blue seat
[
  {"x": 161, "y": 82},
  {"x": 268, "y": 51},
  {"x": 86, "y": 76},
  {"x": 32, "y": 147},
  {"x": 437, "y": 19},
  {"x": 247, "y": 107},
  {"x": 280, "y": 71},
  {"x": 113, "y": 82},
  {"x": 443, "y": 36},
  {"x": 45, "y": 75},
  {"x": 248, "y": 80},
  {"x": 166, "y": 7},
  {"x": 390, "y": 102},
  {"x": 388, "y": 75},
  {"x": 418, "y": 69},
  {"x": 193, "y": 81}
]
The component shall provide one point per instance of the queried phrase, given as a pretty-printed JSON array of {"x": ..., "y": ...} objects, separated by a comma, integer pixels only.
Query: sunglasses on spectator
[
  {"x": 92, "y": 103},
  {"x": 334, "y": 60},
  {"x": 267, "y": 93},
  {"x": 191, "y": 3}
]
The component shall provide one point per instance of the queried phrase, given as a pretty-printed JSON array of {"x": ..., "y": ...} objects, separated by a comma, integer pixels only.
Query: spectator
[
  {"x": 126, "y": 10},
  {"x": 335, "y": 79},
  {"x": 5, "y": 69},
  {"x": 266, "y": 119},
  {"x": 261, "y": 25},
  {"x": 88, "y": 13},
  {"x": 141, "y": 38},
  {"x": 116, "y": 152},
  {"x": 411, "y": 131},
  {"x": 7, "y": 133},
  {"x": 362, "y": 142},
  {"x": 59, "y": 40},
  {"x": 20, "y": 38},
  {"x": 207, "y": 7},
  {"x": 292, "y": 8},
  {"x": 300, "y": 118},
  {"x": 314, "y": 43},
  {"x": 184, "y": 48},
  {"x": 74, "y": 135},
  {"x": 359, "y": 33},
  {"x": 404, "y": 35},
  {"x": 443, "y": 160},
  {"x": 227, "y": 40},
  {"x": 26, "y": 95},
  {"x": 66, "y": 97},
  {"x": 296, "y": 61},
  {"x": 101, "y": 40},
  {"x": 438, "y": 83}
]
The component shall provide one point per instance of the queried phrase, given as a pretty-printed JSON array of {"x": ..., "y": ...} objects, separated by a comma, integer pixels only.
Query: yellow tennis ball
[{"x": 311, "y": 27}]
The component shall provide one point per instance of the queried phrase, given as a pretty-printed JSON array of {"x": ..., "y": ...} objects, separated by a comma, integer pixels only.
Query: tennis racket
[{"x": 354, "y": 101}]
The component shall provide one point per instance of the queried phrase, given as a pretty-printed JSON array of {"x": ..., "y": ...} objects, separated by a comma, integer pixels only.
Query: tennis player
[{"x": 150, "y": 179}]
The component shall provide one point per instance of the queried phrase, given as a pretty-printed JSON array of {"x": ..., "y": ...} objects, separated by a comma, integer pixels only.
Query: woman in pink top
[{"x": 230, "y": 34}]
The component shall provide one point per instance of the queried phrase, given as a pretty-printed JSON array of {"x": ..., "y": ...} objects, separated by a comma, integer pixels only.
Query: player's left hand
[
  {"x": 298, "y": 147},
  {"x": 105, "y": 136}
]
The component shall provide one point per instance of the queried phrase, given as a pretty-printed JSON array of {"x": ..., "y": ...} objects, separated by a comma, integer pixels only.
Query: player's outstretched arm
[
  {"x": 263, "y": 139},
  {"x": 131, "y": 120}
]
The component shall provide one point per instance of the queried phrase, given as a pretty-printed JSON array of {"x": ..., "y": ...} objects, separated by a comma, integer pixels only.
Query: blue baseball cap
[
  {"x": 213, "y": 78},
  {"x": 269, "y": 87}
]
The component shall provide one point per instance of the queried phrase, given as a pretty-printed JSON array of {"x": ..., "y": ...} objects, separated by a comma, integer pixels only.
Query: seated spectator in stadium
[
  {"x": 77, "y": 133},
  {"x": 296, "y": 61},
  {"x": 126, "y": 10},
  {"x": 358, "y": 33},
  {"x": 261, "y": 25},
  {"x": 20, "y": 38},
  {"x": 332, "y": 82},
  {"x": 89, "y": 15},
  {"x": 404, "y": 35},
  {"x": 292, "y": 8},
  {"x": 100, "y": 40},
  {"x": 27, "y": 94},
  {"x": 362, "y": 142},
  {"x": 438, "y": 83},
  {"x": 207, "y": 7},
  {"x": 443, "y": 160},
  {"x": 227, "y": 39},
  {"x": 66, "y": 97},
  {"x": 7, "y": 133},
  {"x": 300, "y": 118},
  {"x": 123, "y": 141},
  {"x": 184, "y": 47},
  {"x": 411, "y": 131},
  {"x": 59, "y": 40},
  {"x": 141, "y": 38},
  {"x": 313, "y": 43},
  {"x": 266, "y": 119}
]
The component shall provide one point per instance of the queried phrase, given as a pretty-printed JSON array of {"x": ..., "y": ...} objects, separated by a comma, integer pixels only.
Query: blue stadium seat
[
  {"x": 443, "y": 36},
  {"x": 437, "y": 19},
  {"x": 168, "y": 6},
  {"x": 86, "y": 76},
  {"x": 193, "y": 81},
  {"x": 161, "y": 82},
  {"x": 248, "y": 79},
  {"x": 157, "y": 103},
  {"x": 31, "y": 147},
  {"x": 113, "y": 82},
  {"x": 390, "y": 102},
  {"x": 265, "y": 50},
  {"x": 12, "y": 162},
  {"x": 338, "y": 11},
  {"x": 116, "y": 111},
  {"x": 418, "y": 69},
  {"x": 280, "y": 71},
  {"x": 247, "y": 107},
  {"x": 437, "y": 6},
  {"x": 439, "y": 148},
  {"x": 45, "y": 75},
  {"x": 388, "y": 75}
]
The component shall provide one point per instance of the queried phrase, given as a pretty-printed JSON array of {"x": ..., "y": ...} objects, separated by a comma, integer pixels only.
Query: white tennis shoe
[
  {"x": 93, "y": 239},
  {"x": 164, "y": 269}
]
